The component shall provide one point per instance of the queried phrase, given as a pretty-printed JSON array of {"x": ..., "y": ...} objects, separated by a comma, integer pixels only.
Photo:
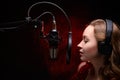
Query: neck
[{"x": 97, "y": 64}]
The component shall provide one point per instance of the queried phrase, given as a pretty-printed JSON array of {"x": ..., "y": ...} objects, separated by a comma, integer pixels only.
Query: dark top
[{"x": 82, "y": 74}]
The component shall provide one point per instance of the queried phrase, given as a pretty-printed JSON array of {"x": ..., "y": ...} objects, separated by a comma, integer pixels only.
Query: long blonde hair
[{"x": 111, "y": 68}]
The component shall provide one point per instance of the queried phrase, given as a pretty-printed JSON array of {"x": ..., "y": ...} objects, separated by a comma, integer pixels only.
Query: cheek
[{"x": 91, "y": 49}]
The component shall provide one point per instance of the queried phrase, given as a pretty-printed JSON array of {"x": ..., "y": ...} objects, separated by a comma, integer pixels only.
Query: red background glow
[{"x": 25, "y": 55}]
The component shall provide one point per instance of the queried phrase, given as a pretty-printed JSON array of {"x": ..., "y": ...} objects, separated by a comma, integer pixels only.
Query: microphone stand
[{"x": 18, "y": 23}]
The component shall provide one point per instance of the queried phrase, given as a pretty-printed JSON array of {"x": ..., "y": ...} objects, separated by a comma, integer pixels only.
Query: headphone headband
[
  {"x": 109, "y": 29},
  {"x": 104, "y": 47}
]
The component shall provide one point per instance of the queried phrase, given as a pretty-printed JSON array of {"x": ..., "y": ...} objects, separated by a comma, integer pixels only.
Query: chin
[{"x": 83, "y": 59}]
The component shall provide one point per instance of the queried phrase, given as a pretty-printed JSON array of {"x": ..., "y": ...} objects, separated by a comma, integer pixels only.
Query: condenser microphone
[{"x": 53, "y": 39}]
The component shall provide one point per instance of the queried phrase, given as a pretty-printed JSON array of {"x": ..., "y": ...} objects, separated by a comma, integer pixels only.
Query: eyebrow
[{"x": 84, "y": 36}]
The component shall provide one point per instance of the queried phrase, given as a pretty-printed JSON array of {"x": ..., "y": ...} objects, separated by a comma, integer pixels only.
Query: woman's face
[{"x": 88, "y": 45}]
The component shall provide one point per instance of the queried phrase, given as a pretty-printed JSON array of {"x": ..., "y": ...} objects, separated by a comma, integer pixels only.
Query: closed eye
[{"x": 85, "y": 39}]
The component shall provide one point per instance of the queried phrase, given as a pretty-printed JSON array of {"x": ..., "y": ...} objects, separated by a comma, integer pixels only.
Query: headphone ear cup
[
  {"x": 69, "y": 47},
  {"x": 101, "y": 45},
  {"x": 104, "y": 49}
]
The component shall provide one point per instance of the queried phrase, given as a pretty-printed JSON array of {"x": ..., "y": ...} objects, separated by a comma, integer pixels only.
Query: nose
[{"x": 80, "y": 45}]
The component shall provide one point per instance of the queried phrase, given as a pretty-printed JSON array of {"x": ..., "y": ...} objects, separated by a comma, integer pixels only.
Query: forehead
[{"x": 89, "y": 30}]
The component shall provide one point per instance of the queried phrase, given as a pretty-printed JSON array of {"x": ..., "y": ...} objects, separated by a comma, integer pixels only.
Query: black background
[
  {"x": 18, "y": 60},
  {"x": 13, "y": 10}
]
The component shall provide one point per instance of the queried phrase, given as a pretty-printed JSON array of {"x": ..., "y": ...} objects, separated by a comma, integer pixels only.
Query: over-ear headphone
[{"x": 105, "y": 47}]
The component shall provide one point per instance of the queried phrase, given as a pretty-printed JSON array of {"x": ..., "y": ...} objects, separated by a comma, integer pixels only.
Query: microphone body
[{"x": 53, "y": 40}]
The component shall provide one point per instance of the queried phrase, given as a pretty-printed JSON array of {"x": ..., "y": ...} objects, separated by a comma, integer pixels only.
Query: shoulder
[
  {"x": 82, "y": 64},
  {"x": 82, "y": 71},
  {"x": 83, "y": 67}
]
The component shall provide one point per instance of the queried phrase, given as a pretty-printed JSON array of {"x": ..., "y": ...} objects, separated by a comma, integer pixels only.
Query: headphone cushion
[{"x": 103, "y": 48}]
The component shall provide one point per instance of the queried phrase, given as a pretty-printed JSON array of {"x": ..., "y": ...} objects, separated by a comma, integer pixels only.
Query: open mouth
[{"x": 80, "y": 52}]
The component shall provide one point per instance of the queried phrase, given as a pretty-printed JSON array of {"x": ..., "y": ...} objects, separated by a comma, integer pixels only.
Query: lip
[{"x": 81, "y": 53}]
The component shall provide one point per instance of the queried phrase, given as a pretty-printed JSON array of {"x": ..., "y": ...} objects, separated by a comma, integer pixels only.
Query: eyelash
[{"x": 85, "y": 41}]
